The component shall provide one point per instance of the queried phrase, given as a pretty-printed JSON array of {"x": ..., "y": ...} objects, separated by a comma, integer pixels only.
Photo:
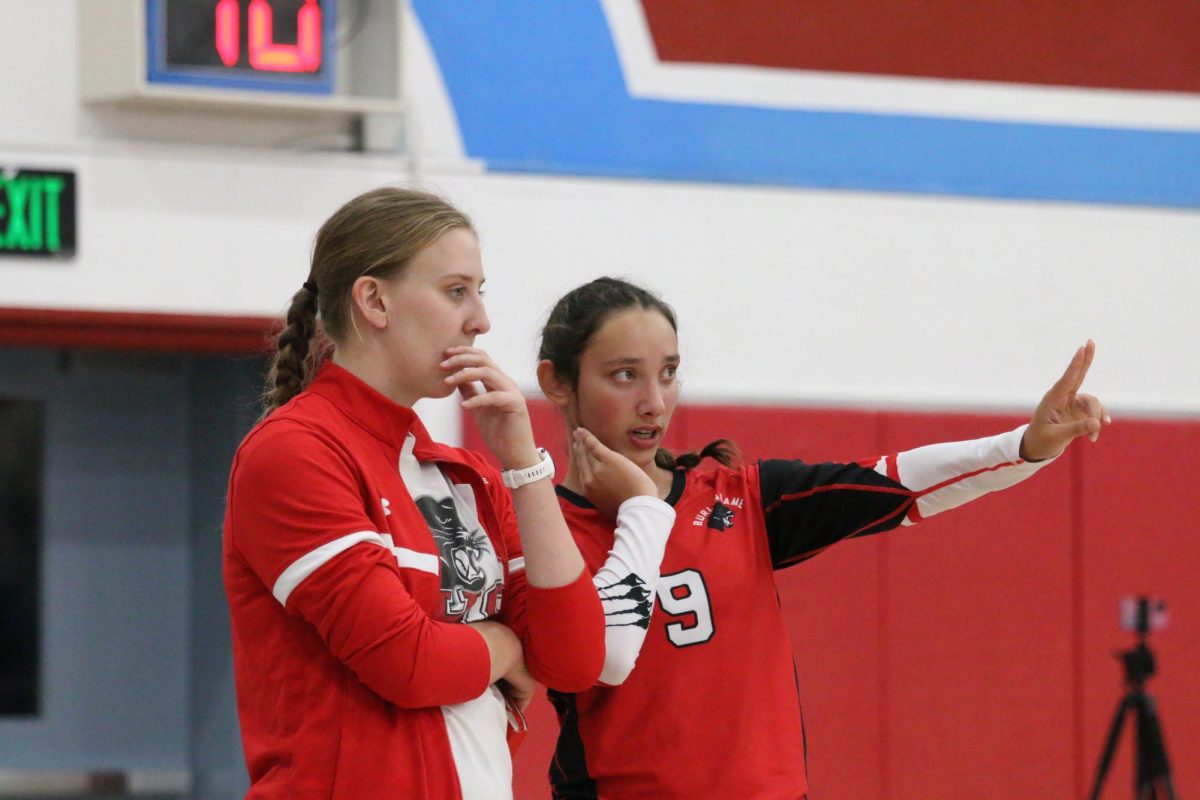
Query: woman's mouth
[{"x": 645, "y": 437}]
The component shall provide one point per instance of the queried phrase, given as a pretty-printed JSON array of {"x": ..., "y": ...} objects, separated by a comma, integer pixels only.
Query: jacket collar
[{"x": 382, "y": 418}]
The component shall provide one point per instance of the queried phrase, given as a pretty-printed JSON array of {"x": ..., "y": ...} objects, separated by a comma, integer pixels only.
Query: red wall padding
[
  {"x": 972, "y": 655},
  {"x": 1140, "y": 532},
  {"x": 977, "y": 660},
  {"x": 1101, "y": 43}
]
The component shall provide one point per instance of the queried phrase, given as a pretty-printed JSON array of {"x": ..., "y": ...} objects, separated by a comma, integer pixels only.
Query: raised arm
[
  {"x": 628, "y": 580},
  {"x": 809, "y": 507},
  {"x": 551, "y": 557},
  {"x": 944, "y": 476},
  {"x": 553, "y": 607}
]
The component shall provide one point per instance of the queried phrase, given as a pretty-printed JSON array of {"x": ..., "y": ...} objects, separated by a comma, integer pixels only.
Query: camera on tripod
[
  {"x": 1143, "y": 614},
  {"x": 1152, "y": 771}
]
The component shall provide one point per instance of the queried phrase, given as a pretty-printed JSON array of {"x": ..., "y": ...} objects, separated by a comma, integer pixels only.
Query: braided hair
[{"x": 376, "y": 234}]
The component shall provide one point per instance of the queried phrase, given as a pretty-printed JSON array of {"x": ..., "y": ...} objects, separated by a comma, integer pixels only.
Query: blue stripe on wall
[{"x": 537, "y": 87}]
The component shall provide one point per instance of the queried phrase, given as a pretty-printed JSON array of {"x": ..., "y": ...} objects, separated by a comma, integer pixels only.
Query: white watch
[{"x": 516, "y": 478}]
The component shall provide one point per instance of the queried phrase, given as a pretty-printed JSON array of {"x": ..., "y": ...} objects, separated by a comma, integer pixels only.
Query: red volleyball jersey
[{"x": 712, "y": 707}]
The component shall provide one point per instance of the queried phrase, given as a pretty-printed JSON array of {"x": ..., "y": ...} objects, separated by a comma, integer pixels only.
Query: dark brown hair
[
  {"x": 376, "y": 234},
  {"x": 573, "y": 322}
]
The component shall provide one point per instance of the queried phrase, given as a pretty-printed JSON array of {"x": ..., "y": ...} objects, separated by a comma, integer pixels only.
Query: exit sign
[{"x": 37, "y": 213}]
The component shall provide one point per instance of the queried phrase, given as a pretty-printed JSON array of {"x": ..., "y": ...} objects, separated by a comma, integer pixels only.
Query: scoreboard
[
  {"x": 297, "y": 55},
  {"x": 261, "y": 45}
]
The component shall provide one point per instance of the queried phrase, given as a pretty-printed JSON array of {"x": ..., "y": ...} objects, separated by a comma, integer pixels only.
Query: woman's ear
[
  {"x": 366, "y": 300},
  {"x": 557, "y": 391}
]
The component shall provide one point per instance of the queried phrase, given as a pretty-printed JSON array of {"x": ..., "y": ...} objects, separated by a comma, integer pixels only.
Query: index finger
[
  {"x": 1089, "y": 352},
  {"x": 590, "y": 444},
  {"x": 466, "y": 348},
  {"x": 466, "y": 354},
  {"x": 1073, "y": 375}
]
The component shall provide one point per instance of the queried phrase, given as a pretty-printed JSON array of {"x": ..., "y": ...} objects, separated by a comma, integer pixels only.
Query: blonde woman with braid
[{"x": 394, "y": 599}]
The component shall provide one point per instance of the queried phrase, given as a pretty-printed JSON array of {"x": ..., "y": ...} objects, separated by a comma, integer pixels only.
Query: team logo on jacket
[
  {"x": 719, "y": 516},
  {"x": 470, "y": 571},
  {"x": 626, "y": 602}
]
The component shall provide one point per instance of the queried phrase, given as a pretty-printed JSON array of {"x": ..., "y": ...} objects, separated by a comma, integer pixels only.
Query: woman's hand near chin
[
  {"x": 497, "y": 404},
  {"x": 607, "y": 478}
]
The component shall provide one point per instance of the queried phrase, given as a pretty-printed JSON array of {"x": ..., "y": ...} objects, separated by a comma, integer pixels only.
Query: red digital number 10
[{"x": 265, "y": 54}]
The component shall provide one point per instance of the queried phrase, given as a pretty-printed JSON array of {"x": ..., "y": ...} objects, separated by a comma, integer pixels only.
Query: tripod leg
[
  {"x": 1110, "y": 746},
  {"x": 1153, "y": 771}
]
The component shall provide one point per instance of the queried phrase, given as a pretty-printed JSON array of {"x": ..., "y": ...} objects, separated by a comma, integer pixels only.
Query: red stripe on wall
[
  {"x": 1099, "y": 43},
  {"x": 112, "y": 330}
]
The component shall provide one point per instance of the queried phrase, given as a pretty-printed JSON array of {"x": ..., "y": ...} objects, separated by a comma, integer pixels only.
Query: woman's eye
[
  {"x": 624, "y": 375},
  {"x": 669, "y": 373},
  {"x": 458, "y": 292}
]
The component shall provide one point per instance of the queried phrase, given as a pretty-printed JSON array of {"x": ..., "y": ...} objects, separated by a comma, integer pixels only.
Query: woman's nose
[
  {"x": 478, "y": 323},
  {"x": 652, "y": 403}
]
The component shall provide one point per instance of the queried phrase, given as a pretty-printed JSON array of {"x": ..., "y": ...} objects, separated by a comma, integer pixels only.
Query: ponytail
[
  {"x": 292, "y": 367},
  {"x": 723, "y": 450}
]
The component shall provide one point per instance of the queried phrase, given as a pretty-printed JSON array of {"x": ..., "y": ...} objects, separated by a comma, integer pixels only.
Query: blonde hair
[{"x": 376, "y": 234}]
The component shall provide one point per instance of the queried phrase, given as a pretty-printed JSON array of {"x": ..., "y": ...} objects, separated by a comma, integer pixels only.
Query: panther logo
[
  {"x": 721, "y": 518},
  {"x": 464, "y": 557}
]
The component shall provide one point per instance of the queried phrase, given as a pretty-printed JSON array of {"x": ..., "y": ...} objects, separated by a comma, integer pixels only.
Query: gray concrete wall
[{"x": 136, "y": 671}]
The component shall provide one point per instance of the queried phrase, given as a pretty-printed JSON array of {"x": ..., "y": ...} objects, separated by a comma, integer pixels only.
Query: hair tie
[{"x": 311, "y": 286}]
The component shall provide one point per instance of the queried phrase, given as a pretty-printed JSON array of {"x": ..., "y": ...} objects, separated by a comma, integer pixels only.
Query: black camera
[{"x": 1143, "y": 614}]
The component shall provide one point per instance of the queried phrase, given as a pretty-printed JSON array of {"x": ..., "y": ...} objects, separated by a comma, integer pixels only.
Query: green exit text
[{"x": 37, "y": 213}]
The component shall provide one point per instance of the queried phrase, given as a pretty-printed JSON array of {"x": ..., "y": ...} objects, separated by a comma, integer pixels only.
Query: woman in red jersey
[
  {"x": 392, "y": 602},
  {"x": 699, "y": 611}
]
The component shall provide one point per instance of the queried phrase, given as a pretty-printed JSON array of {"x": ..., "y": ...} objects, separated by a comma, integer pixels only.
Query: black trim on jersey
[
  {"x": 811, "y": 506},
  {"x": 803, "y": 727},
  {"x": 569, "y": 778},
  {"x": 573, "y": 498},
  {"x": 678, "y": 484}
]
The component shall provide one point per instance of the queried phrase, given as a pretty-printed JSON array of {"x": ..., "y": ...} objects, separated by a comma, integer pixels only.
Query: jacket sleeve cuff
[
  {"x": 564, "y": 646},
  {"x": 467, "y": 663}
]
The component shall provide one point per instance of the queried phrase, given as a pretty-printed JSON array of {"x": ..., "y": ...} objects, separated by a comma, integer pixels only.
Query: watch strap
[{"x": 516, "y": 478}]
